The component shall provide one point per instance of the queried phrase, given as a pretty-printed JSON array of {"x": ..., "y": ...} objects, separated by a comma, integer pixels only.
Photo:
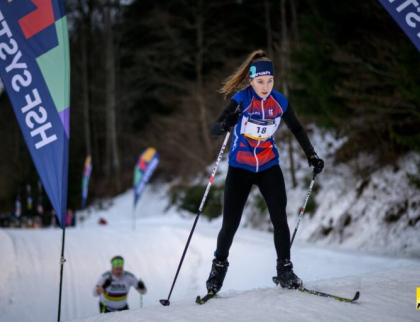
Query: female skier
[{"x": 255, "y": 112}]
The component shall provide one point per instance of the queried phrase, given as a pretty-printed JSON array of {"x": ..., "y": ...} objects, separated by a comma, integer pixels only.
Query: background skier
[{"x": 113, "y": 287}]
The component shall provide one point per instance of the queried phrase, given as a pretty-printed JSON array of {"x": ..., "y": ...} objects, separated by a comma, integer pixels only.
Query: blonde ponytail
[{"x": 238, "y": 80}]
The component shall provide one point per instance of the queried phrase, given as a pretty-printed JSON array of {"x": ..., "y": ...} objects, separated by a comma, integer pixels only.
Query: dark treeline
[{"x": 147, "y": 74}]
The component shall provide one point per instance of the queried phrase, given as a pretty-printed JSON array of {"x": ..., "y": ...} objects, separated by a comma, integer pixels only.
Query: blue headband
[{"x": 261, "y": 68}]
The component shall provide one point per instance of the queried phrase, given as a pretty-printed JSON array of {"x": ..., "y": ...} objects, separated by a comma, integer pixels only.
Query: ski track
[
  {"x": 35, "y": 276},
  {"x": 153, "y": 252},
  {"x": 193, "y": 260},
  {"x": 8, "y": 276},
  {"x": 72, "y": 291},
  {"x": 377, "y": 303}
]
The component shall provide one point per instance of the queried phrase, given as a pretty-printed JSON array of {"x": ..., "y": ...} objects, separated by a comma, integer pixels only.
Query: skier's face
[
  {"x": 262, "y": 85},
  {"x": 117, "y": 271}
]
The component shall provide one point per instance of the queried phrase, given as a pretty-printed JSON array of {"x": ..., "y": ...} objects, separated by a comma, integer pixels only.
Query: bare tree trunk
[
  {"x": 17, "y": 135},
  {"x": 86, "y": 9},
  {"x": 198, "y": 71},
  {"x": 285, "y": 62},
  {"x": 85, "y": 21},
  {"x": 268, "y": 29},
  {"x": 295, "y": 29},
  {"x": 112, "y": 157},
  {"x": 284, "y": 48}
]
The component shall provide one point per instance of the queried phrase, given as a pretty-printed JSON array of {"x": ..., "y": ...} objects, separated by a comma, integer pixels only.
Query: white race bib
[{"x": 259, "y": 129}]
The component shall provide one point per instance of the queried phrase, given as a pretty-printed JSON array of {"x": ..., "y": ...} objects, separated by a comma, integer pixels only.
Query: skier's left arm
[
  {"x": 299, "y": 132},
  {"x": 141, "y": 287},
  {"x": 138, "y": 284}
]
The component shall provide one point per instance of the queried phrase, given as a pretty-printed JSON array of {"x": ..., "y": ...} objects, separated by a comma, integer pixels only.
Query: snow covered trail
[
  {"x": 386, "y": 296},
  {"x": 29, "y": 279},
  {"x": 33, "y": 277}
]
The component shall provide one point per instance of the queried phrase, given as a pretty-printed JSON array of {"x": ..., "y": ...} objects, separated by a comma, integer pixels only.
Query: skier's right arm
[
  {"x": 226, "y": 119},
  {"x": 102, "y": 284},
  {"x": 98, "y": 290}
]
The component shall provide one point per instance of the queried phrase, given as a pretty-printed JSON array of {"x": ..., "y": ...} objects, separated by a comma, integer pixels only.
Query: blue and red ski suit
[{"x": 256, "y": 162}]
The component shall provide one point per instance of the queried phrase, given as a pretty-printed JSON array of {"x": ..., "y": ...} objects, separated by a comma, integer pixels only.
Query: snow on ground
[
  {"x": 152, "y": 246},
  {"x": 358, "y": 206}
]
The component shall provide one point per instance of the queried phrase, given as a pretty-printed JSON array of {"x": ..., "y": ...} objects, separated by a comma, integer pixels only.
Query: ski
[
  {"x": 210, "y": 295},
  {"x": 205, "y": 298},
  {"x": 322, "y": 294},
  {"x": 335, "y": 297}
]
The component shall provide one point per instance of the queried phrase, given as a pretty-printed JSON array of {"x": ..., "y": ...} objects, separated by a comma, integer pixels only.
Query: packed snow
[{"x": 152, "y": 245}]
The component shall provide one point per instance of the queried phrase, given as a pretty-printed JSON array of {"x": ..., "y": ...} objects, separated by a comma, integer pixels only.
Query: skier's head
[
  {"x": 261, "y": 76},
  {"x": 257, "y": 70},
  {"x": 117, "y": 264}
]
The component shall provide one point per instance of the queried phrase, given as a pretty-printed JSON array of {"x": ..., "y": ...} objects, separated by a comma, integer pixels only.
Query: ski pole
[
  {"x": 141, "y": 300},
  {"x": 104, "y": 306},
  {"x": 107, "y": 283},
  {"x": 303, "y": 208},
  {"x": 200, "y": 209}
]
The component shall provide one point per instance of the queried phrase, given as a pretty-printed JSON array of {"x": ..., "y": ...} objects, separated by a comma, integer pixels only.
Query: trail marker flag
[
  {"x": 85, "y": 179},
  {"x": 146, "y": 165}
]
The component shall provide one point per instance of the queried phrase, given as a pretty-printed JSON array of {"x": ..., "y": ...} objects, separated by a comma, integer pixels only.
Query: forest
[{"x": 147, "y": 73}]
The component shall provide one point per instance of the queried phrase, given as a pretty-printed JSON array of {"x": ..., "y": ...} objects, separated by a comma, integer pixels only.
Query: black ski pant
[
  {"x": 105, "y": 309},
  {"x": 237, "y": 188}
]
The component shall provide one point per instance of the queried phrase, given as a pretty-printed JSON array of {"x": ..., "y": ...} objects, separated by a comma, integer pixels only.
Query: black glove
[
  {"x": 316, "y": 162},
  {"x": 140, "y": 285},
  {"x": 230, "y": 121},
  {"x": 107, "y": 283}
]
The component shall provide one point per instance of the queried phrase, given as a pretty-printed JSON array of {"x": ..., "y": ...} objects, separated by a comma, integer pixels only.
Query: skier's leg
[
  {"x": 238, "y": 184},
  {"x": 272, "y": 187}
]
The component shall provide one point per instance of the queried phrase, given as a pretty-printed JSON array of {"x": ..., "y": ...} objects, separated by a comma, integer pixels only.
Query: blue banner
[
  {"x": 85, "y": 179},
  {"x": 146, "y": 165},
  {"x": 34, "y": 68},
  {"x": 407, "y": 14}
]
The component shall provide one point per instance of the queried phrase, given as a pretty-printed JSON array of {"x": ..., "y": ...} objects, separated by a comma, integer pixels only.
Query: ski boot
[
  {"x": 217, "y": 275},
  {"x": 285, "y": 275}
]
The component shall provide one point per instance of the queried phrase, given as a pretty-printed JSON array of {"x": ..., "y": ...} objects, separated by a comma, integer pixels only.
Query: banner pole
[{"x": 62, "y": 261}]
